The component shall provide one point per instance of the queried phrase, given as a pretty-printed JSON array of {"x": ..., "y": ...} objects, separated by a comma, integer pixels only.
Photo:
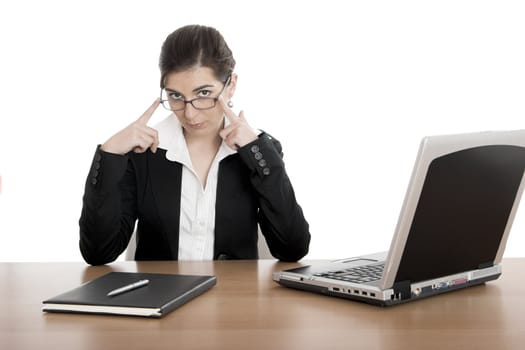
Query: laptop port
[{"x": 395, "y": 296}]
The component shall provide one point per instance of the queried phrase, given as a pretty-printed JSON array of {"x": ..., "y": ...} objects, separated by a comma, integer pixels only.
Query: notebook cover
[{"x": 163, "y": 294}]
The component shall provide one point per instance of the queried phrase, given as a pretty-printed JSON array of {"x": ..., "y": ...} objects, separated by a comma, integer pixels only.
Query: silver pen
[{"x": 127, "y": 288}]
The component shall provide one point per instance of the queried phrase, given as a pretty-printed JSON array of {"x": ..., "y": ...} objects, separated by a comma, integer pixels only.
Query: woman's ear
[{"x": 232, "y": 85}]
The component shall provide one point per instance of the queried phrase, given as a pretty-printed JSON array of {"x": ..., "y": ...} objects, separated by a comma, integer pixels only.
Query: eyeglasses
[{"x": 174, "y": 103}]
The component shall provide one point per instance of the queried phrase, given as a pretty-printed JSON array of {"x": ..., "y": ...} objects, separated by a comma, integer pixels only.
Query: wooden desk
[{"x": 247, "y": 310}]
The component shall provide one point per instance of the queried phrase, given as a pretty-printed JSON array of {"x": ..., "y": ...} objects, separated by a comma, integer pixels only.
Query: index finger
[
  {"x": 227, "y": 110},
  {"x": 144, "y": 118}
]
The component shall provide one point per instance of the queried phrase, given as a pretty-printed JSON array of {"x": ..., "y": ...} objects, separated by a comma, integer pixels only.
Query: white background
[{"x": 348, "y": 87}]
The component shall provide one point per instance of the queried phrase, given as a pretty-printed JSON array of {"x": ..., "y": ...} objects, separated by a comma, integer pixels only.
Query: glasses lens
[
  {"x": 174, "y": 104},
  {"x": 203, "y": 103},
  {"x": 170, "y": 103}
]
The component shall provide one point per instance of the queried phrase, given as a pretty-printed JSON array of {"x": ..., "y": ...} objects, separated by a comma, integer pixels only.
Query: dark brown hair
[{"x": 194, "y": 45}]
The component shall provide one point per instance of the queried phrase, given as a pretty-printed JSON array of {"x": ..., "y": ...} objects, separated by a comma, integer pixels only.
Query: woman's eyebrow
[{"x": 205, "y": 86}]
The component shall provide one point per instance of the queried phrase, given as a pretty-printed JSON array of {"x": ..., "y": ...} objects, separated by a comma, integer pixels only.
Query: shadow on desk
[{"x": 91, "y": 272}]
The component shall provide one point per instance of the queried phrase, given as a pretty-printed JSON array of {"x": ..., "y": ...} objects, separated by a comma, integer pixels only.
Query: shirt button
[
  {"x": 94, "y": 181},
  {"x": 98, "y": 157},
  {"x": 266, "y": 171},
  {"x": 255, "y": 149},
  {"x": 258, "y": 155},
  {"x": 262, "y": 163}
]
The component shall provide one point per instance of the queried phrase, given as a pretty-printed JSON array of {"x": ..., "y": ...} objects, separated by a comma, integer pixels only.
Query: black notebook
[{"x": 163, "y": 294}]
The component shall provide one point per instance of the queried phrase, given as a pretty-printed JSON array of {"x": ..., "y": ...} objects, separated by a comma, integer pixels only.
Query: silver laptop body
[{"x": 453, "y": 226}]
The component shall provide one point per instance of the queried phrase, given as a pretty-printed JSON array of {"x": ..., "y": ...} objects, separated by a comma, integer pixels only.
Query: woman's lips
[{"x": 196, "y": 125}]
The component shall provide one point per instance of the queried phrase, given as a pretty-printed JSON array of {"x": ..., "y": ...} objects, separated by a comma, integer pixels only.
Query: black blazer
[{"x": 252, "y": 188}]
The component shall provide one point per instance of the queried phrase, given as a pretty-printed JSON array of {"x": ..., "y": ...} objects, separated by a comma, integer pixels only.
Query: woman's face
[{"x": 199, "y": 82}]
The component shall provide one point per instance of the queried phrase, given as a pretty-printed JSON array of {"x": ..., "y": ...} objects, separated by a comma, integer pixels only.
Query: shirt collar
[{"x": 171, "y": 138}]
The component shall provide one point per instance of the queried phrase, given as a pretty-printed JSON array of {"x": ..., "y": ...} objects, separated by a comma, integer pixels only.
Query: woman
[{"x": 201, "y": 181}]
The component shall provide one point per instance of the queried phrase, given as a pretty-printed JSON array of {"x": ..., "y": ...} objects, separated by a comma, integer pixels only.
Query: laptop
[{"x": 452, "y": 229}]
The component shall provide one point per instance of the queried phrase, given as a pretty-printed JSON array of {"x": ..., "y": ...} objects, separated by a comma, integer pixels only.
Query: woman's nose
[{"x": 189, "y": 111}]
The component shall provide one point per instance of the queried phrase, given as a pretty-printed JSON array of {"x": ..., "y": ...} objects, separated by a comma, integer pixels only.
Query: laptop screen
[{"x": 462, "y": 212}]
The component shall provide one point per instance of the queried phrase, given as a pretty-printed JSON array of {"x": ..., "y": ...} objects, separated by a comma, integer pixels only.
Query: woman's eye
[
  {"x": 175, "y": 96},
  {"x": 204, "y": 93}
]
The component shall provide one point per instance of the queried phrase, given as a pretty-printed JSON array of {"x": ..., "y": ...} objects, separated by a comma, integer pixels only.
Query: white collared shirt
[{"x": 197, "y": 203}]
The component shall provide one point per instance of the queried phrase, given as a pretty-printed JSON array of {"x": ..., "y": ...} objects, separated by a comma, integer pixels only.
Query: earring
[{"x": 230, "y": 104}]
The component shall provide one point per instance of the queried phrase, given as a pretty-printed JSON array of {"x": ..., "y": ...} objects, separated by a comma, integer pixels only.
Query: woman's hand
[
  {"x": 137, "y": 136},
  {"x": 238, "y": 133}
]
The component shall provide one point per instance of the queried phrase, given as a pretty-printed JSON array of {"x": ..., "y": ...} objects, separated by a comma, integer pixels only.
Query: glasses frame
[{"x": 214, "y": 99}]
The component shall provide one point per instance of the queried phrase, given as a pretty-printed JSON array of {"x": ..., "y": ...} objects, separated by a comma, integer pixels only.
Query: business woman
[{"x": 198, "y": 184}]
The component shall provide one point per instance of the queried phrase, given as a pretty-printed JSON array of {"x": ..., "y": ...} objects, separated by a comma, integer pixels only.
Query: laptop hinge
[
  {"x": 485, "y": 265},
  {"x": 402, "y": 289}
]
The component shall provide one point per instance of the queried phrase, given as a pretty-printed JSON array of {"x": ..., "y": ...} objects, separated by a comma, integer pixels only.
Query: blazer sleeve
[
  {"x": 280, "y": 217},
  {"x": 108, "y": 208}
]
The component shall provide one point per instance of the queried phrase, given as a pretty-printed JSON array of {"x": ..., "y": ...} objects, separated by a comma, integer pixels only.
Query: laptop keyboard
[{"x": 360, "y": 274}]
